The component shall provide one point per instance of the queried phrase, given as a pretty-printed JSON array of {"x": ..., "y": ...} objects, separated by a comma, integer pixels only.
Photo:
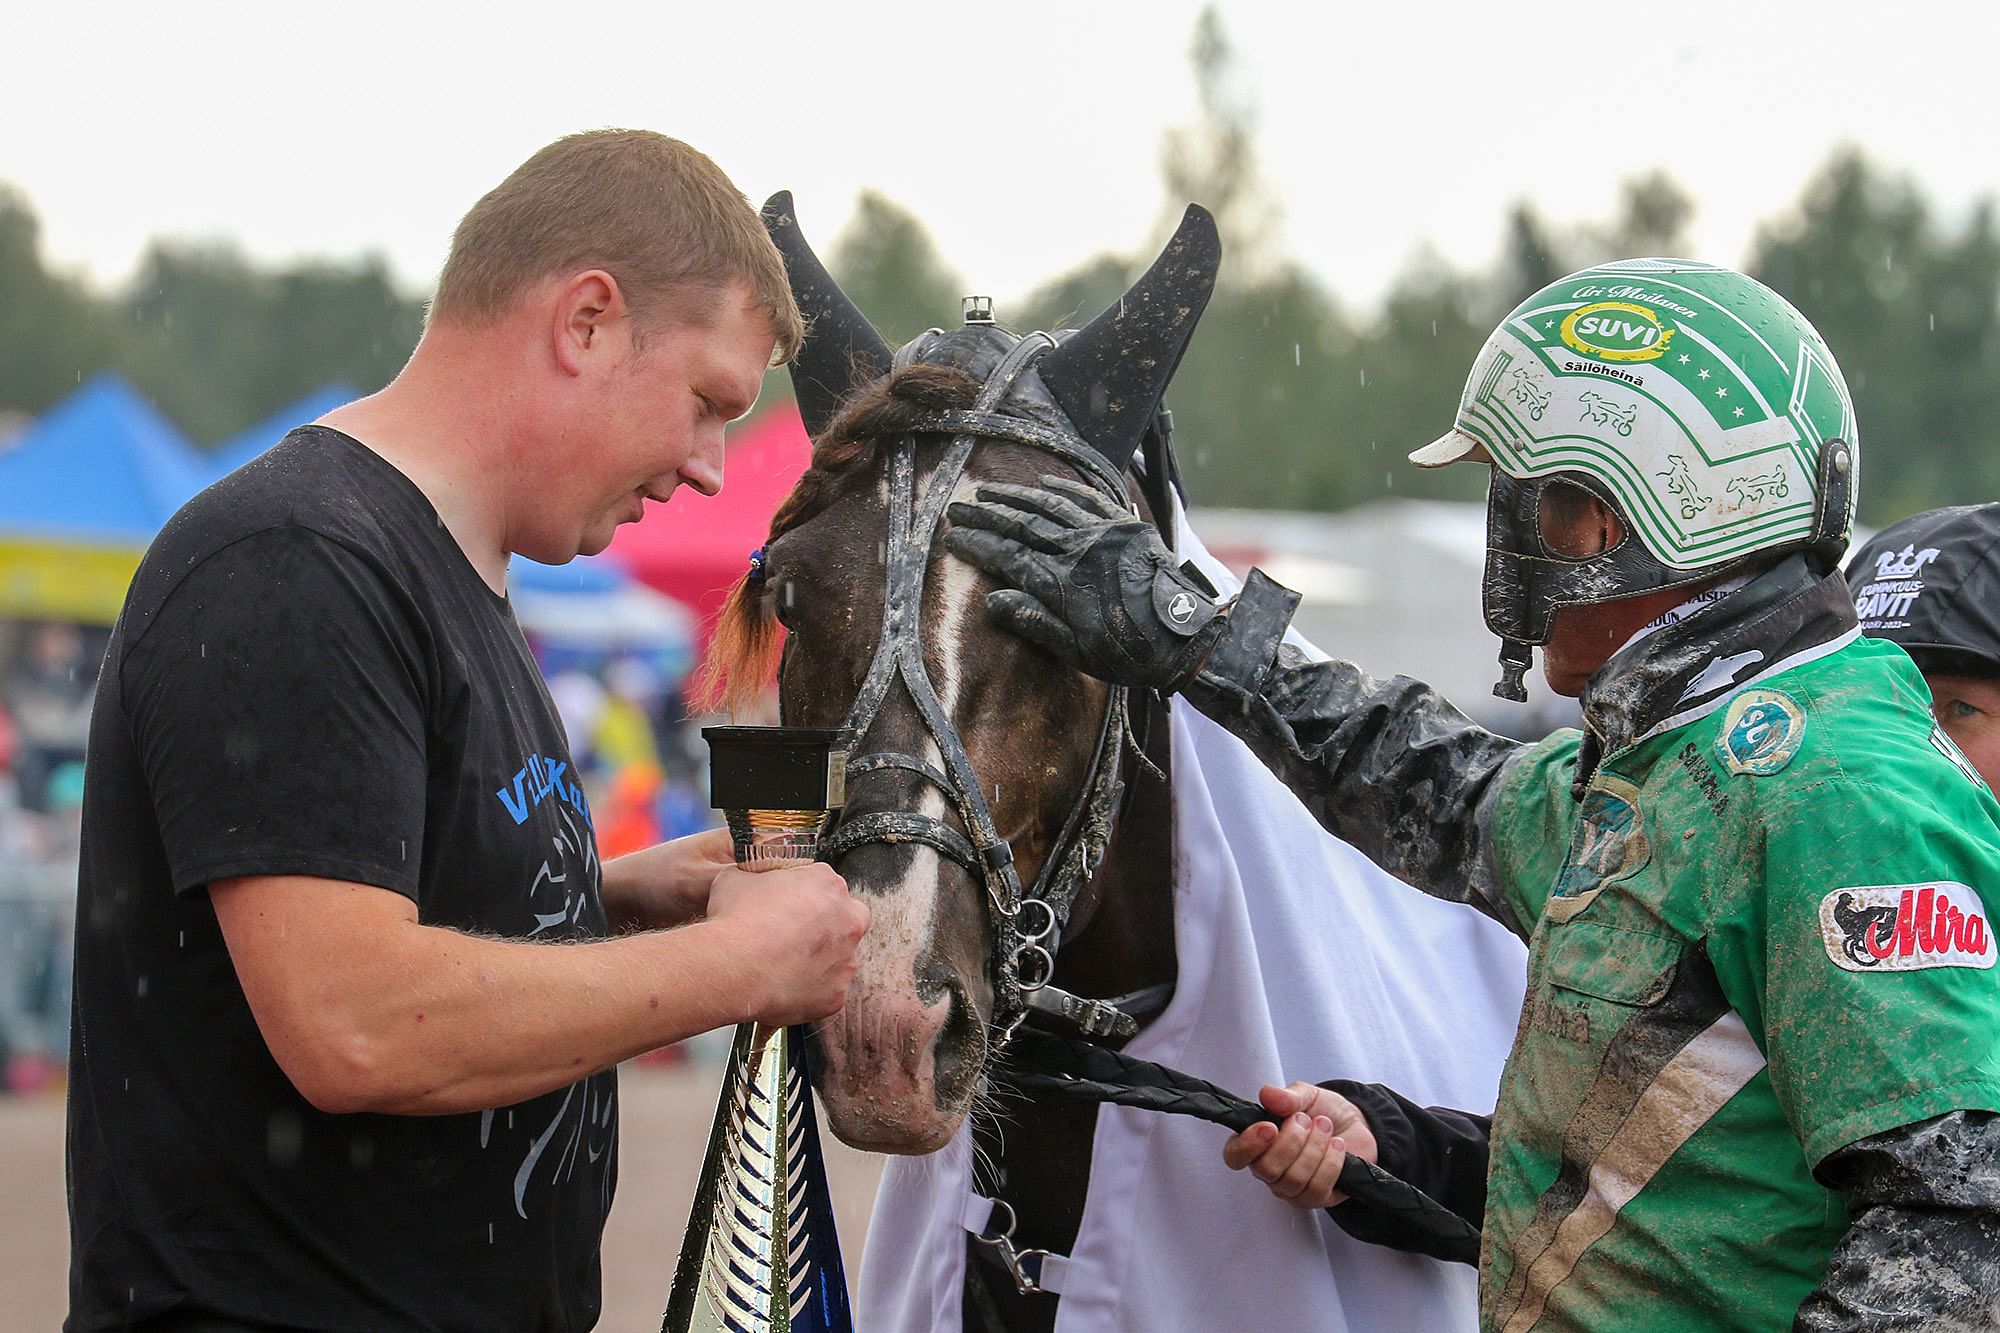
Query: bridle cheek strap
[{"x": 1028, "y": 925}]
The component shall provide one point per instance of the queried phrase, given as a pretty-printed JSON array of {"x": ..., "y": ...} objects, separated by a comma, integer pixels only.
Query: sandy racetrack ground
[{"x": 665, "y": 1116}]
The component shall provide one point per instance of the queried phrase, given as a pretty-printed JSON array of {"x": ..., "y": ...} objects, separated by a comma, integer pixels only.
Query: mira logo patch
[
  {"x": 1616, "y": 331},
  {"x": 1906, "y": 927}
]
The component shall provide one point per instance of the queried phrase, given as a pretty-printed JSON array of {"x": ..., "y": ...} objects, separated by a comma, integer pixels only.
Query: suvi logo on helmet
[{"x": 1616, "y": 331}]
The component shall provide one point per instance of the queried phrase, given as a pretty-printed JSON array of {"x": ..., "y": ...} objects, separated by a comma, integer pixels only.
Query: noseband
[{"x": 1028, "y": 924}]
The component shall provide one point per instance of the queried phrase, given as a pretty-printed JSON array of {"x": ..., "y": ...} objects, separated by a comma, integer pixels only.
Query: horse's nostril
[{"x": 961, "y": 1047}]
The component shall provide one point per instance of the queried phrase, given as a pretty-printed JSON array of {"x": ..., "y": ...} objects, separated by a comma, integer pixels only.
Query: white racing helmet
[{"x": 1691, "y": 399}]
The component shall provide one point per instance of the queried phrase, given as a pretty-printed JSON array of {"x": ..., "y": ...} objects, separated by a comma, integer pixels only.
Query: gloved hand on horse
[
  {"x": 1089, "y": 581},
  {"x": 1094, "y": 584}
]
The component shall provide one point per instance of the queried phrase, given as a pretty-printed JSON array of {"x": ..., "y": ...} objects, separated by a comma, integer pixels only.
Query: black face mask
[{"x": 1528, "y": 579}]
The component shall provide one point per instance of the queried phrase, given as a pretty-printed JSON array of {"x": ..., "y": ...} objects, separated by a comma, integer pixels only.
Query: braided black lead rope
[{"x": 1069, "y": 1067}]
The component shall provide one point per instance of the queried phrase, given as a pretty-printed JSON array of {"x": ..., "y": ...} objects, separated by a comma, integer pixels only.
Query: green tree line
[
  {"x": 1289, "y": 397},
  {"x": 216, "y": 340}
]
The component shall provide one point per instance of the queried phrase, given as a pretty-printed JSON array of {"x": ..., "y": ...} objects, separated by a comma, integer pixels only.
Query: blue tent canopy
[
  {"x": 235, "y": 452},
  {"x": 103, "y": 466},
  {"x": 592, "y": 609},
  {"x": 585, "y": 576}
]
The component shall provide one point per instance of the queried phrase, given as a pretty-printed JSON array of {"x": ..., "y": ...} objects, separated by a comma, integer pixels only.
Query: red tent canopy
[{"x": 695, "y": 546}]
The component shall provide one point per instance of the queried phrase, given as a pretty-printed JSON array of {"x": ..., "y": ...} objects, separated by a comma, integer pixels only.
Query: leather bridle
[{"x": 1028, "y": 923}]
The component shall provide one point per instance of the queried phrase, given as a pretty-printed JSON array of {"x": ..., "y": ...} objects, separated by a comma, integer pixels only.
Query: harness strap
[
  {"x": 1146, "y": 1001},
  {"x": 1022, "y": 430},
  {"x": 1032, "y": 1269},
  {"x": 881, "y": 759},
  {"x": 893, "y": 826},
  {"x": 1093, "y": 1018}
]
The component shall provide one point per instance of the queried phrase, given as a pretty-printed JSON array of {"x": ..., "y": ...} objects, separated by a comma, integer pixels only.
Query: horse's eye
[{"x": 784, "y": 601}]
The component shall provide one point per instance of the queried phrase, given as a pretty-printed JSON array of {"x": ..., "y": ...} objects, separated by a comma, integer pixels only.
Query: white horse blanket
[{"x": 1298, "y": 960}]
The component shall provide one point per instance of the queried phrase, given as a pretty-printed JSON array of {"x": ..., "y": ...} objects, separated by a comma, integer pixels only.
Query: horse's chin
[
  {"x": 879, "y": 1076},
  {"x": 899, "y": 1135}
]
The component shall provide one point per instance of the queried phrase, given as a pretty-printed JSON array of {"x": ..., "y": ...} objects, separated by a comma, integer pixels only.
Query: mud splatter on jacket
[{"x": 1752, "y": 1080}]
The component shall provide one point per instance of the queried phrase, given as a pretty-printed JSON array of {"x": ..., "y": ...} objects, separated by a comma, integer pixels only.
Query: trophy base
[{"x": 761, "y": 1254}]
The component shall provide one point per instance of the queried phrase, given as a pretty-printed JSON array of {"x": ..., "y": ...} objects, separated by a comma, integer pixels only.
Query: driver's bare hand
[
  {"x": 1300, "y": 1159},
  {"x": 800, "y": 927}
]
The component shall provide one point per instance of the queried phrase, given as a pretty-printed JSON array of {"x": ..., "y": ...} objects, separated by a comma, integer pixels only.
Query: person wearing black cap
[{"x": 1931, "y": 583}]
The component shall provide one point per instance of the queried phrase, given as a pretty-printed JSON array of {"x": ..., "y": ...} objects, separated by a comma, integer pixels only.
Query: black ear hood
[
  {"x": 1110, "y": 375},
  {"x": 842, "y": 349}
]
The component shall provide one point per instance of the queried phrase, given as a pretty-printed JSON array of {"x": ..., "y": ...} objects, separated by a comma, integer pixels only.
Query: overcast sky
[{"x": 1025, "y": 134}]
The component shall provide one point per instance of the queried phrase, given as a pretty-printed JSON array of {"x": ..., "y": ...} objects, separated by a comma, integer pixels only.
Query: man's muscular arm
[
  {"x": 1923, "y": 1247},
  {"x": 366, "y": 1009}
]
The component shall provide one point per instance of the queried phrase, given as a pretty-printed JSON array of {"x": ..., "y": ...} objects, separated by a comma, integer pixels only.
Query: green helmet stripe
[
  {"x": 1727, "y": 313},
  {"x": 1742, "y": 378}
]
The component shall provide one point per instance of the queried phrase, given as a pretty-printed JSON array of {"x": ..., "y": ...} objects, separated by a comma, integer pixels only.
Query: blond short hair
[{"x": 652, "y": 212}]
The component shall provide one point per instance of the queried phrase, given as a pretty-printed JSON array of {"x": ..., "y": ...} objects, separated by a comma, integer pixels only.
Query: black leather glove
[{"x": 1089, "y": 581}]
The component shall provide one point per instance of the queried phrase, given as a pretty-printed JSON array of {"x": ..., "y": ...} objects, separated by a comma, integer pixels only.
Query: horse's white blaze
[
  {"x": 883, "y": 1070},
  {"x": 902, "y": 922},
  {"x": 948, "y": 608},
  {"x": 952, "y": 589}
]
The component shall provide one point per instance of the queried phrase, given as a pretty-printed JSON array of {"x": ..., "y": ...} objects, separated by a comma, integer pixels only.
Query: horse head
[{"x": 977, "y": 761}]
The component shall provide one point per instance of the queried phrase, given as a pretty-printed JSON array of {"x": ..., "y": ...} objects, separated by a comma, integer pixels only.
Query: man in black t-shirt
[{"x": 351, "y": 981}]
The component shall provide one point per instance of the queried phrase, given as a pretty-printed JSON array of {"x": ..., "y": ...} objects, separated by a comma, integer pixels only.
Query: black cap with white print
[{"x": 1932, "y": 584}]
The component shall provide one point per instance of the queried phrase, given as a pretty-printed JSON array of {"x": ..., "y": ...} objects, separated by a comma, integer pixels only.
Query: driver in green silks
[{"x": 1756, "y": 1077}]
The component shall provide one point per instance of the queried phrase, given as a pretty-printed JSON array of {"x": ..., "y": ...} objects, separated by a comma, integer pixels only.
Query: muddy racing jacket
[{"x": 1755, "y": 1077}]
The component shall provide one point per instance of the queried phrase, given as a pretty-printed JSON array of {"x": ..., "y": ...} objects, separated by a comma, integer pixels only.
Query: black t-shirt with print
[{"x": 309, "y": 678}]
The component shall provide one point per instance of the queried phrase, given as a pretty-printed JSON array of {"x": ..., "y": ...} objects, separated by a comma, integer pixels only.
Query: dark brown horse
[{"x": 985, "y": 773}]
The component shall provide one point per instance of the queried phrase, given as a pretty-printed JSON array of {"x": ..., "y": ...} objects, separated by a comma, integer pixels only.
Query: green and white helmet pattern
[{"x": 1699, "y": 396}]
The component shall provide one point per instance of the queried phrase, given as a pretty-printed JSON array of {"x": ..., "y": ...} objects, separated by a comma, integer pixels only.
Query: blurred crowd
[
  {"x": 47, "y": 675},
  {"x": 642, "y": 758}
]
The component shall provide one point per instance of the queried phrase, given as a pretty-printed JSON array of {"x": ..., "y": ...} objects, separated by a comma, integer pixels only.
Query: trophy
[{"x": 761, "y": 1255}]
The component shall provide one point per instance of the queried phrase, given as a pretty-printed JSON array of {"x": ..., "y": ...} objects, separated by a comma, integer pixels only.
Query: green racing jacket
[{"x": 1756, "y": 1073}]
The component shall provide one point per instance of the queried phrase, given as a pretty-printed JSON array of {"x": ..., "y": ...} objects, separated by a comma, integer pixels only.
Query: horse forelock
[{"x": 742, "y": 661}]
